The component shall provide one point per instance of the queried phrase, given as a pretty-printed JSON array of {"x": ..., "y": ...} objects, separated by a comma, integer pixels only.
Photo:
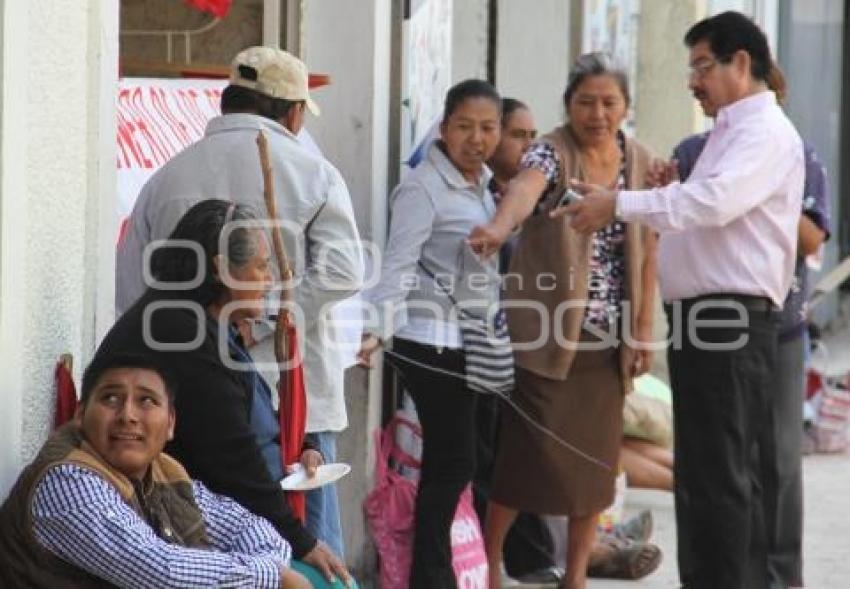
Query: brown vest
[
  {"x": 549, "y": 271},
  {"x": 168, "y": 506}
]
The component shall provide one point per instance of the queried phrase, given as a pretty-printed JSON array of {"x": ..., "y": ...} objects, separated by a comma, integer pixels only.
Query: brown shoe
[{"x": 625, "y": 559}]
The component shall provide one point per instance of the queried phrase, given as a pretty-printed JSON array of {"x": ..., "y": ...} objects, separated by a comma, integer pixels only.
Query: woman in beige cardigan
[{"x": 578, "y": 309}]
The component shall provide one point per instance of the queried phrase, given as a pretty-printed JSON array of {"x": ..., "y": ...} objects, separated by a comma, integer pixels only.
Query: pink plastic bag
[
  {"x": 832, "y": 430},
  {"x": 469, "y": 560},
  {"x": 390, "y": 508}
]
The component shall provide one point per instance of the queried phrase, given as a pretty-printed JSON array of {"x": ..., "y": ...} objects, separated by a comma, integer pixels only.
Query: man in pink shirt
[{"x": 726, "y": 259}]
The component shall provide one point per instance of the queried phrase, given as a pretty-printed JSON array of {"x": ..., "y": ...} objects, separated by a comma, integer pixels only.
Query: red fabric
[
  {"x": 66, "y": 395},
  {"x": 218, "y": 8},
  {"x": 293, "y": 415},
  {"x": 814, "y": 383}
]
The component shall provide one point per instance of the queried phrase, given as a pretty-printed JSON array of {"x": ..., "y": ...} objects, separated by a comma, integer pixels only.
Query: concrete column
[
  {"x": 469, "y": 39},
  {"x": 57, "y": 56},
  {"x": 666, "y": 112},
  {"x": 523, "y": 69},
  {"x": 272, "y": 21},
  {"x": 101, "y": 206},
  {"x": 14, "y": 259},
  {"x": 351, "y": 42}
]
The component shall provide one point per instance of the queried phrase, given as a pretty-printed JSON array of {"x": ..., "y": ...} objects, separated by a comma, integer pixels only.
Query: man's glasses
[{"x": 701, "y": 68}]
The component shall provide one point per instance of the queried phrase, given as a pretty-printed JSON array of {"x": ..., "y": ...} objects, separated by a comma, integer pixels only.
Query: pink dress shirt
[{"x": 732, "y": 226}]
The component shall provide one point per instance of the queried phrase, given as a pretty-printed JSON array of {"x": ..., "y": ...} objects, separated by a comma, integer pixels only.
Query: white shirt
[
  {"x": 310, "y": 193},
  {"x": 732, "y": 226}
]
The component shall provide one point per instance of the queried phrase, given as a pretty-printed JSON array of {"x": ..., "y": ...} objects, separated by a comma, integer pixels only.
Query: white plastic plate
[{"x": 325, "y": 473}]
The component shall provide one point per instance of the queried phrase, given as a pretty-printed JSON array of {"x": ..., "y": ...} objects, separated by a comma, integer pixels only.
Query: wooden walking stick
[
  {"x": 283, "y": 316},
  {"x": 292, "y": 413}
]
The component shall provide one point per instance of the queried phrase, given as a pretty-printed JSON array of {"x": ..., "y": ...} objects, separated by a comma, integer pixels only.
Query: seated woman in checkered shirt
[{"x": 102, "y": 505}]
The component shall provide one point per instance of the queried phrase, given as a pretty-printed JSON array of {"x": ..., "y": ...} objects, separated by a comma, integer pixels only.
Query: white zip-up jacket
[{"x": 321, "y": 237}]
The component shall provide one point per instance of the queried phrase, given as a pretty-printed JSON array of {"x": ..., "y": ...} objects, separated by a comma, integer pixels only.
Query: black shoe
[{"x": 542, "y": 577}]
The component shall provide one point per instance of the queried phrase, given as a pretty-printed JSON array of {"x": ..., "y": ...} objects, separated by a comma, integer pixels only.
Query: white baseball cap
[{"x": 276, "y": 73}]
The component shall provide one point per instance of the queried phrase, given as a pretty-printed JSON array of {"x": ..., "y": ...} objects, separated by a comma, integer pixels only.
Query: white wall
[
  {"x": 55, "y": 57},
  {"x": 469, "y": 39},
  {"x": 13, "y": 217},
  {"x": 352, "y": 44},
  {"x": 533, "y": 56}
]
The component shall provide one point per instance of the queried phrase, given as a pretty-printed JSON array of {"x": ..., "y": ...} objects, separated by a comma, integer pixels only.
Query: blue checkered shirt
[{"x": 83, "y": 520}]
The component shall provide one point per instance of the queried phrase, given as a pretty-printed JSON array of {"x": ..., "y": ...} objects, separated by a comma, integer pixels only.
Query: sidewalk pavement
[
  {"x": 827, "y": 528},
  {"x": 833, "y": 358}
]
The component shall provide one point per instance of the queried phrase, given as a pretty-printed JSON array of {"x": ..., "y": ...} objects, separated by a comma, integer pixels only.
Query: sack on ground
[{"x": 647, "y": 415}]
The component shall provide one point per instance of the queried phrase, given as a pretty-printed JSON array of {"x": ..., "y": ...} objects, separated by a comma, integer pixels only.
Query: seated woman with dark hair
[{"x": 210, "y": 280}]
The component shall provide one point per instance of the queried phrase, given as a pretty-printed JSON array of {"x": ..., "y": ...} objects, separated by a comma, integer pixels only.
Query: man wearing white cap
[
  {"x": 276, "y": 74},
  {"x": 268, "y": 92}
]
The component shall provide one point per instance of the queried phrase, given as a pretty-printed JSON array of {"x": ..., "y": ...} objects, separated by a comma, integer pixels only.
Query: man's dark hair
[
  {"x": 203, "y": 224},
  {"x": 510, "y": 106},
  {"x": 466, "y": 90},
  {"x": 236, "y": 99},
  {"x": 776, "y": 82},
  {"x": 729, "y": 32},
  {"x": 103, "y": 363}
]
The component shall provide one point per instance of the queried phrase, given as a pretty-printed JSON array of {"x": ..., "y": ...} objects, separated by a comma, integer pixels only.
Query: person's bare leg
[
  {"x": 496, "y": 525},
  {"x": 658, "y": 454},
  {"x": 581, "y": 537},
  {"x": 644, "y": 473}
]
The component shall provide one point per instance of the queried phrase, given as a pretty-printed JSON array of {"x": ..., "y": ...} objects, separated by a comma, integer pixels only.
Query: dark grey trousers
[
  {"x": 724, "y": 449},
  {"x": 785, "y": 543}
]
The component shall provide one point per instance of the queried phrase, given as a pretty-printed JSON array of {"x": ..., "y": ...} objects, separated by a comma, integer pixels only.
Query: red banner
[{"x": 157, "y": 119}]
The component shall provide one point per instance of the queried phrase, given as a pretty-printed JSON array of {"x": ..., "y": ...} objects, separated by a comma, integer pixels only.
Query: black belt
[{"x": 752, "y": 303}]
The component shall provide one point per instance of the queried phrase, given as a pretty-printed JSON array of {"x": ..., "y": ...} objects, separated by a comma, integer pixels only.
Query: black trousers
[
  {"x": 528, "y": 545},
  {"x": 446, "y": 410},
  {"x": 721, "y": 379},
  {"x": 785, "y": 545}
]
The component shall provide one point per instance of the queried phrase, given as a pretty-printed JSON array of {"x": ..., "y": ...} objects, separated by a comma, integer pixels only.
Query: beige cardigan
[{"x": 550, "y": 267}]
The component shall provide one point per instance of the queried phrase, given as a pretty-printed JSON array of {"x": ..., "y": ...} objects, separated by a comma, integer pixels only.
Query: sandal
[
  {"x": 627, "y": 560},
  {"x": 637, "y": 528}
]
